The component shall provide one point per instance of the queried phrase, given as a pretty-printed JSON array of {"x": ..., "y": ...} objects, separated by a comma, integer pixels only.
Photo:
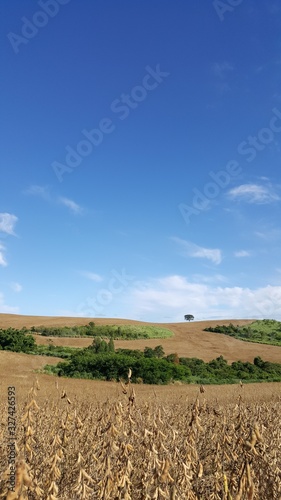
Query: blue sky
[{"x": 141, "y": 159}]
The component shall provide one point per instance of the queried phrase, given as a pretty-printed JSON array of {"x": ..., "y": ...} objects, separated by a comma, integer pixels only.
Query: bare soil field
[{"x": 189, "y": 338}]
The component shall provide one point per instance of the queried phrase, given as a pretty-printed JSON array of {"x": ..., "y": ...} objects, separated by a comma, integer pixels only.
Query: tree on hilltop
[{"x": 188, "y": 317}]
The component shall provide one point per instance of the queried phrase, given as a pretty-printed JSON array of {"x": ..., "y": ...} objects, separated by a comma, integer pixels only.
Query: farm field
[
  {"x": 94, "y": 440},
  {"x": 189, "y": 339}
]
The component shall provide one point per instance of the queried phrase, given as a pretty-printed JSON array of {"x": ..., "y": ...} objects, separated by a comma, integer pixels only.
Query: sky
[{"x": 140, "y": 159}]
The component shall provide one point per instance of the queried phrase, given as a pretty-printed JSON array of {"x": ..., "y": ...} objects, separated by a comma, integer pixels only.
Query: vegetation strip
[
  {"x": 265, "y": 331},
  {"x": 125, "y": 332},
  {"x": 101, "y": 361}
]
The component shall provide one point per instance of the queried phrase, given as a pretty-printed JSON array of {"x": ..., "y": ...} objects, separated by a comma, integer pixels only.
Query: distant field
[{"x": 189, "y": 339}]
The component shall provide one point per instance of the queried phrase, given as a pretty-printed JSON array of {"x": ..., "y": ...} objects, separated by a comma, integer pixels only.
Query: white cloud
[
  {"x": 242, "y": 253},
  {"x": 253, "y": 193},
  {"x": 3, "y": 261},
  {"x": 92, "y": 276},
  {"x": 7, "y": 223},
  {"x": 74, "y": 207},
  {"x": 193, "y": 250},
  {"x": 7, "y": 309},
  {"x": 175, "y": 296},
  {"x": 16, "y": 287}
]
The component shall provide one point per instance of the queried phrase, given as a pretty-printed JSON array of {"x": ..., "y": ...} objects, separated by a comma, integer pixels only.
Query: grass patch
[
  {"x": 105, "y": 331},
  {"x": 56, "y": 351}
]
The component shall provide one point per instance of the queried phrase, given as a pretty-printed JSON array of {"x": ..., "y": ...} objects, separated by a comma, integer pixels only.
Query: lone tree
[{"x": 188, "y": 317}]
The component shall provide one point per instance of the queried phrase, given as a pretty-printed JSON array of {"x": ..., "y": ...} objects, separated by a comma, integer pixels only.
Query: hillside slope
[{"x": 189, "y": 338}]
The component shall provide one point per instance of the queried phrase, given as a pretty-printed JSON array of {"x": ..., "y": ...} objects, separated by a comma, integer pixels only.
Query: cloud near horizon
[
  {"x": 176, "y": 295},
  {"x": 4, "y": 308}
]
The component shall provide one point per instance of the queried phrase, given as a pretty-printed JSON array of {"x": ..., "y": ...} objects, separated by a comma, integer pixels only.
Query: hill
[{"x": 189, "y": 340}]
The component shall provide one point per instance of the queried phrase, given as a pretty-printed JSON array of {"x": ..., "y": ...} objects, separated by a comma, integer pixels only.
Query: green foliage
[
  {"x": 52, "y": 350},
  {"x": 110, "y": 366},
  {"x": 100, "y": 346},
  {"x": 105, "y": 331},
  {"x": 265, "y": 331},
  {"x": 98, "y": 362},
  {"x": 157, "y": 352},
  {"x": 16, "y": 340}
]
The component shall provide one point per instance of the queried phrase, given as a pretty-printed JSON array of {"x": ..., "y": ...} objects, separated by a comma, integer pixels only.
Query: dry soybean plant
[{"x": 131, "y": 449}]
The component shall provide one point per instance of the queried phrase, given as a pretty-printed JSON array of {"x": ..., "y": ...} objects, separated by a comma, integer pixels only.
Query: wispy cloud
[
  {"x": 269, "y": 234},
  {"x": 221, "y": 72},
  {"x": 253, "y": 193},
  {"x": 43, "y": 192},
  {"x": 92, "y": 276},
  {"x": 4, "y": 308},
  {"x": 242, "y": 253},
  {"x": 7, "y": 223},
  {"x": 40, "y": 191},
  {"x": 16, "y": 287},
  {"x": 72, "y": 205},
  {"x": 3, "y": 261},
  {"x": 214, "y": 278},
  {"x": 193, "y": 250},
  {"x": 222, "y": 69}
]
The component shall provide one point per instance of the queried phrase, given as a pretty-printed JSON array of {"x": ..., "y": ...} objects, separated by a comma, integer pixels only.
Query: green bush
[{"x": 16, "y": 340}]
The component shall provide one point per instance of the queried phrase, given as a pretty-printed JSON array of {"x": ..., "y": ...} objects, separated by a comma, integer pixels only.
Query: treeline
[
  {"x": 151, "y": 366},
  {"x": 15, "y": 340},
  {"x": 261, "y": 331},
  {"x": 226, "y": 329}
]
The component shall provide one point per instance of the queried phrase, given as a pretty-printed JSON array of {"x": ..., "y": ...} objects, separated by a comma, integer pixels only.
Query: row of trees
[{"x": 151, "y": 366}]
